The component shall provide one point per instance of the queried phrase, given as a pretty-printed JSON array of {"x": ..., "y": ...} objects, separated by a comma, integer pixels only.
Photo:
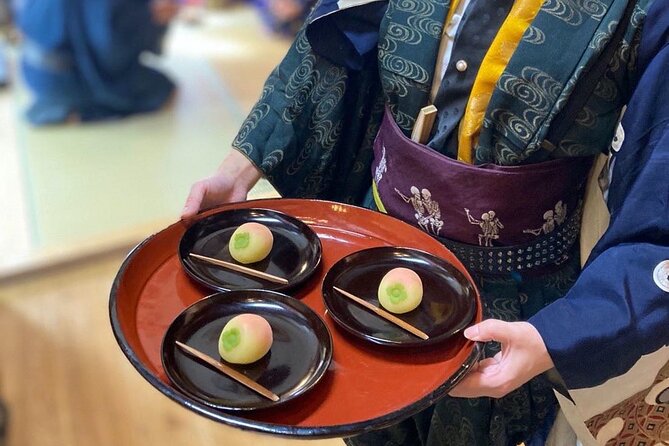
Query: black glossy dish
[
  {"x": 448, "y": 305},
  {"x": 295, "y": 255},
  {"x": 299, "y": 357}
]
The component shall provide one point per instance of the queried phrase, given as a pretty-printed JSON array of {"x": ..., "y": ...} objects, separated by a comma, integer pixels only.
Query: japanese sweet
[
  {"x": 245, "y": 339},
  {"x": 251, "y": 242},
  {"x": 400, "y": 290}
]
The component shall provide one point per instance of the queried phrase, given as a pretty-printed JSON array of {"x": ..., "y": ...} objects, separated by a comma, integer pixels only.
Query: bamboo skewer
[
  {"x": 240, "y": 269},
  {"x": 230, "y": 372},
  {"x": 384, "y": 314}
]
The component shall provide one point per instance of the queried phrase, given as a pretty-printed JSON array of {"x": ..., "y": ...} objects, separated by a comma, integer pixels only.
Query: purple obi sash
[{"x": 496, "y": 219}]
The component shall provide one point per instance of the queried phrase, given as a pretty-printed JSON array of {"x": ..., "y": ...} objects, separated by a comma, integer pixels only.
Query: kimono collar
[{"x": 345, "y": 31}]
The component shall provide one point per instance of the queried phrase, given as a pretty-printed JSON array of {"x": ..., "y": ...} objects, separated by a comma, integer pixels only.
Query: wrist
[
  {"x": 543, "y": 360},
  {"x": 238, "y": 166}
]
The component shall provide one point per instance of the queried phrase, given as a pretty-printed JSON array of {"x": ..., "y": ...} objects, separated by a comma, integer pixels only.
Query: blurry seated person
[{"x": 81, "y": 58}]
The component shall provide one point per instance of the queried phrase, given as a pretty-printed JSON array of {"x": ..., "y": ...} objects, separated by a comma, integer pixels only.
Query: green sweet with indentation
[
  {"x": 241, "y": 240},
  {"x": 245, "y": 339},
  {"x": 396, "y": 293},
  {"x": 400, "y": 290},
  {"x": 251, "y": 242},
  {"x": 230, "y": 339}
]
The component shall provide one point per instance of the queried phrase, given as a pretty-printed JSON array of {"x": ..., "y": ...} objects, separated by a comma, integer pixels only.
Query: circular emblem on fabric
[
  {"x": 661, "y": 275},
  {"x": 618, "y": 140}
]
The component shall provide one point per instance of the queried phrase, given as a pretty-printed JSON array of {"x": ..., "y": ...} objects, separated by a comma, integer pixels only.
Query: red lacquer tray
[{"x": 366, "y": 387}]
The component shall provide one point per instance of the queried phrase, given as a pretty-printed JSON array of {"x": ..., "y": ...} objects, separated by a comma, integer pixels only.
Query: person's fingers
[
  {"x": 488, "y": 365},
  {"x": 479, "y": 383},
  {"x": 489, "y": 330},
  {"x": 194, "y": 200}
]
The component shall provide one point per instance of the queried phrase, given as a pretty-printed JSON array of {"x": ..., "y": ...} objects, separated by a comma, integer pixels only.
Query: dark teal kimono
[{"x": 312, "y": 130}]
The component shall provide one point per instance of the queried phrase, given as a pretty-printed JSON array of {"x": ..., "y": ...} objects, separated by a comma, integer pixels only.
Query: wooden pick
[
  {"x": 229, "y": 371},
  {"x": 384, "y": 314},
  {"x": 240, "y": 269},
  {"x": 424, "y": 122}
]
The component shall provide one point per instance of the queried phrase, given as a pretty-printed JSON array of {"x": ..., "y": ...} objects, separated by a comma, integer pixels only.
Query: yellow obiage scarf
[{"x": 495, "y": 61}]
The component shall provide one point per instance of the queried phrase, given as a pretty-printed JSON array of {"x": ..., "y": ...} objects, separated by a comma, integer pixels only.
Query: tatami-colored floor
[
  {"x": 70, "y": 189},
  {"x": 73, "y": 200}
]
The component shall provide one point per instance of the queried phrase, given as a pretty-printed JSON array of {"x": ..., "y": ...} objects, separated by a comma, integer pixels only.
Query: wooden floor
[{"x": 67, "y": 383}]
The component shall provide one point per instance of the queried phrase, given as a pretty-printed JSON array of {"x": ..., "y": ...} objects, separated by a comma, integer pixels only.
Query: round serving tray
[{"x": 151, "y": 289}]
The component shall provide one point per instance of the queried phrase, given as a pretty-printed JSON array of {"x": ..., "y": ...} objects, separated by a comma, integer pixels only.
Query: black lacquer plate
[
  {"x": 299, "y": 357},
  {"x": 448, "y": 305},
  {"x": 295, "y": 255}
]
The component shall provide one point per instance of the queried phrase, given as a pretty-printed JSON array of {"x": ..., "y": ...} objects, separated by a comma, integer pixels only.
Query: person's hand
[
  {"x": 232, "y": 182},
  {"x": 523, "y": 356}
]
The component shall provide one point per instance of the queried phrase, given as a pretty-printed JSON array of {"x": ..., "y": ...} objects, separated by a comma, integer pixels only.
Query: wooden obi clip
[{"x": 495, "y": 219}]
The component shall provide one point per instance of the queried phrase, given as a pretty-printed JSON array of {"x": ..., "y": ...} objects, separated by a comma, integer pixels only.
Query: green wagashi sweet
[
  {"x": 400, "y": 290},
  {"x": 245, "y": 339},
  {"x": 250, "y": 243}
]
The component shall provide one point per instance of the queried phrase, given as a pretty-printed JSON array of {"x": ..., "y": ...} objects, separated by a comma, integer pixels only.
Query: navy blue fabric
[
  {"x": 345, "y": 37},
  {"x": 478, "y": 27},
  {"x": 615, "y": 313},
  {"x": 82, "y": 57}
]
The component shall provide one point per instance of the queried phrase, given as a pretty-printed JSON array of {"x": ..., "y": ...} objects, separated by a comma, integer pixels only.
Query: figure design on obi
[
  {"x": 428, "y": 212},
  {"x": 489, "y": 224},
  {"x": 552, "y": 219}
]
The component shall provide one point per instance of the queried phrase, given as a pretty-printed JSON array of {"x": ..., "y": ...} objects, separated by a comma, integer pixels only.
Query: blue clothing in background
[{"x": 82, "y": 57}]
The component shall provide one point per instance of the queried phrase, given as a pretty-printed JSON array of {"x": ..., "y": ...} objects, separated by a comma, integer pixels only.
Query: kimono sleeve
[
  {"x": 618, "y": 310},
  {"x": 304, "y": 131}
]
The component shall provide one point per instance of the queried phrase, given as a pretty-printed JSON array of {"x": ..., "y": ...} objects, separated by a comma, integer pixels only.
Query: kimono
[
  {"x": 81, "y": 57},
  {"x": 617, "y": 313},
  {"x": 313, "y": 129}
]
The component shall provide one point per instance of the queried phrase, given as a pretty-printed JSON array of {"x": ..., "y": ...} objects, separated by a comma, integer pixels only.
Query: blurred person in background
[
  {"x": 284, "y": 17},
  {"x": 5, "y": 21},
  {"x": 81, "y": 58}
]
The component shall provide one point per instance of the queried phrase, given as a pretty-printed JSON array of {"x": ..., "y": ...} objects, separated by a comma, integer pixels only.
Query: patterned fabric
[
  {"x": 313, "y": 157},
  {"x": 629, "y": 305},
  {"x": 312, "y": 131},
  {"x": 641, "y": 420},
  {"x": 496, "y": 207},
  {"x": 410, "y": 36},
  {"x": 542, "y": 75}
]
